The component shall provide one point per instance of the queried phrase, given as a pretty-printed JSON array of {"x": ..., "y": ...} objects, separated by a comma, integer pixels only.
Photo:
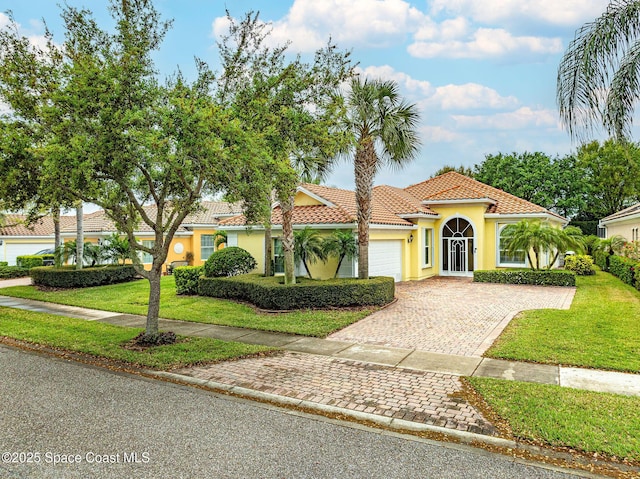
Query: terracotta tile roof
[
  {"x": 99, "y": 222},
  {"x": 631, "y": 210},
  {"x": 42, "y": 227},
  {"x": 399, "y": 202},
  {"x": 344, "y": 210},
  {"x": 463, "y": 187}
]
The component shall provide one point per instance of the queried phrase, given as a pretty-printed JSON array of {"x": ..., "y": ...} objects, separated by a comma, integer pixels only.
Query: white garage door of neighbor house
[
  {"x": 13, "y": 250},
  {"x": 385, "y": 258}
]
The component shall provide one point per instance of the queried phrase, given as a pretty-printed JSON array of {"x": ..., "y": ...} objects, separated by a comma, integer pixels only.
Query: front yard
[
  {"x": 601, "y": 330},
  {"x": 131, "y": 298}
]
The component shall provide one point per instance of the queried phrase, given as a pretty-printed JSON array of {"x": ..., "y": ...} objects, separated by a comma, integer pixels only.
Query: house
[
  {"x": 17, "y": 239},
  {"x": 449, "y": 225},
  {"x": 195, "y": 235},
  {"x": 625, "y": 223}
]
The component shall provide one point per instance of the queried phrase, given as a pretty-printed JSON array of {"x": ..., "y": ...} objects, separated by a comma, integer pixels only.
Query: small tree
[
  {"x": 116, "y": 249},
  {"x": 538, "y": 237},
  {"x": 341, "y": 244},
  {"x": 308, "y": 247}
]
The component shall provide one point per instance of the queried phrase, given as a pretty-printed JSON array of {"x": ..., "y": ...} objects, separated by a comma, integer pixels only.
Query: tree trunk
[
  {"x": 306, "y": 267},
  {"x": 339, "y": 264},
  {"x": 153, "y": 311},
  {"x": 288, "y": 240},
  {"x": 56, "y": 235},
  {"x": 365, "y": 169},
  {"x": 268, "y": 251},
  {"x": 79, "y": 235}
]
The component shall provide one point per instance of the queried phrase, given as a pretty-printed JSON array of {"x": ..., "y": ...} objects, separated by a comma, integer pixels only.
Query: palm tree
[
  {"x": 116, "y": 249},
  {"x": 220, "y": 238},
  {"x": 598, "y": 77},
  {"x": 610, "y": 247},
  {"x": 384, "y": 129},
  {"x": 308, "y": 247},
  {"x": 341, "y": 244},
  {"x": 538, "y": 237}
]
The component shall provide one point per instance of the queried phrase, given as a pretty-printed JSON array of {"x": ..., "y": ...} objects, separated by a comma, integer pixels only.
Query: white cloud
[
  {"x": 309, "y": 23},
  {"x": 553, "y": 12},
  {"x": 448, "y": 97},
  {"x": 522, "y": 118},
  {"x": 484, "y": 43},
  {"x": 439, "y": 134}
]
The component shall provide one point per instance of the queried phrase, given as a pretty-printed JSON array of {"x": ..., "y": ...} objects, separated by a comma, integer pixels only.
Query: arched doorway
[{"x": 457, "y": 247}]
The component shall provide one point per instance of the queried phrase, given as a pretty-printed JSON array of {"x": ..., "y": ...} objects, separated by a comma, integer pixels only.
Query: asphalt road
[{"x": 114, "y": 425}]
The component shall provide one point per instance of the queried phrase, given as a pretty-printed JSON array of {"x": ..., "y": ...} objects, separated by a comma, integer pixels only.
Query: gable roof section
[
  {"x": 399, "y": 202},
  {"x": 619, "y": 215},
  {"x": 343, "y": 210},
  {"x": 42, "y": 227},
  {"x": 454, "y": 186}
]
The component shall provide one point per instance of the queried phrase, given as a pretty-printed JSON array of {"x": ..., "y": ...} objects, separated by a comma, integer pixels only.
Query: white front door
[{"x": 458, "y": 247}]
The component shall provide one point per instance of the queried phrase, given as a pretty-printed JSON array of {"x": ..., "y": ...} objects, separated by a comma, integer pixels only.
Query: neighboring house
[
  {"x": 625, "y": 223},
  {"x": 195, "y": 235},
  {"x": 449, "y": 225},
  {"x": 16, "y": 239}
]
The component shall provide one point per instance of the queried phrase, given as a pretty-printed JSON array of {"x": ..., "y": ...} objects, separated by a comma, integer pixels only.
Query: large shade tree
[
  {"x": 295, "y": 106},
  {"x": 598, "y": 80},
  {"x": 384, "y": 129},
  {"x": 146, "y": 151}
]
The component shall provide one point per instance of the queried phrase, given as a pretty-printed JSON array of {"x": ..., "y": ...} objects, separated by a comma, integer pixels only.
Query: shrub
[
  {"x": 34, "y": 260},
  {"x": 69, "y": 277},
  {"x": 3, "y": 263},
  {"x": 271, "y": 293},
  {"x": 623, "y": 268},
  {"x": 601, "y": 258},
  {"x": 187, "y": 279},
  {"x": 538, "y": 277},
  {"x": 230, "y": 261},
  {"x": 582, "y": 265},
  {"x": 9, "y": 272}
]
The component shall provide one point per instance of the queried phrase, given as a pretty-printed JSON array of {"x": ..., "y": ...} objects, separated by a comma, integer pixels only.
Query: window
[
  {"x": 517, "y": 258},
  {"x": 206, "y": 246},
  {"x": 428, "y": 249},
  {"x": 147, "y": 258},
  {"x": 602, "y": 232},
  {"x": 278, "y": 256}
]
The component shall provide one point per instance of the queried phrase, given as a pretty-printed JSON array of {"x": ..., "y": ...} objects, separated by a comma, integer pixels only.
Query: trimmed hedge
[
  {"x": 3, "y": 264},
  {"x": 538, "y": 277},
  {"x": 230, "y": 261},
  {"x": 187, "y": 279},
  {"x": 582, "y": 265},
  {"x": 69, "y": 277},
  {"x": 9, "y": 272},
  {"x": 33, "y": 260},
  {"x": 624, "y": 268},
  {"x": 270, "y": 293}
]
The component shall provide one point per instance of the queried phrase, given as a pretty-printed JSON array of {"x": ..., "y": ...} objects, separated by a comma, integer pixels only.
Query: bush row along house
[{"x": 449, "y": 225}]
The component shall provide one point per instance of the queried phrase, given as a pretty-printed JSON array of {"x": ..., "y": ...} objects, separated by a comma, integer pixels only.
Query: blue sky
[{"x": 481, "y": 72}]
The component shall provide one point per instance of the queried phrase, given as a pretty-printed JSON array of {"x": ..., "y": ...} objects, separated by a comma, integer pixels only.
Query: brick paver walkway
[
  {"x": 418, "y": 396},
  {"x": 451, "y": 315}
]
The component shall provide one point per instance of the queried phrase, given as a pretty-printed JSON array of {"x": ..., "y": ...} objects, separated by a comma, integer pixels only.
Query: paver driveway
[{"x": 451, "y": 315}]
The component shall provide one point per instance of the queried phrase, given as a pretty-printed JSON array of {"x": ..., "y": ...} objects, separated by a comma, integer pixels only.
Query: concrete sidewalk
[{"x": 406, "y": 359}]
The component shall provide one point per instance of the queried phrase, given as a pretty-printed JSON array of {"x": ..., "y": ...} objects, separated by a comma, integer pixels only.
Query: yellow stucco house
[
  {"x": 625, "y": 223},
  {"x": 449, "y": 225}
]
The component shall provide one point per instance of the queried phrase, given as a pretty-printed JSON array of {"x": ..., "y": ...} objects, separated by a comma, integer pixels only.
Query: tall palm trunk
[
  {"x": 268, "y": 250},
  {"x": 56, "y": 234},
  {"x": 288, "y": 241},
  {"x": 365, "y": 170},
  {"x": 79, "y": 235}
]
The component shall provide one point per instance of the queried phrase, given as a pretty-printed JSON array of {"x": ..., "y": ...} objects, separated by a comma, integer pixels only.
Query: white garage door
[
  {"x": 385, "y": 258},
  {"x": 13, "y": 250}
]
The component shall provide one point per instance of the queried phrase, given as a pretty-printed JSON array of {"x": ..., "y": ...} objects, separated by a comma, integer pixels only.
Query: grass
[
  {"x": 589, "y": 421},
  {"x": 131, "y": 298},
  {"x": 601, "y": 329},
  {"x": 107, "y": 341}
]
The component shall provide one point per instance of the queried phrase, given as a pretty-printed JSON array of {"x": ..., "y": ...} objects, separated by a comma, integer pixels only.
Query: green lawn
[
  {"x": 601, "y": 330},
  {"x": 588, "y": 421},
  {"x": 132, "y": 298},
  {"x": 107, "y": 341}
]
